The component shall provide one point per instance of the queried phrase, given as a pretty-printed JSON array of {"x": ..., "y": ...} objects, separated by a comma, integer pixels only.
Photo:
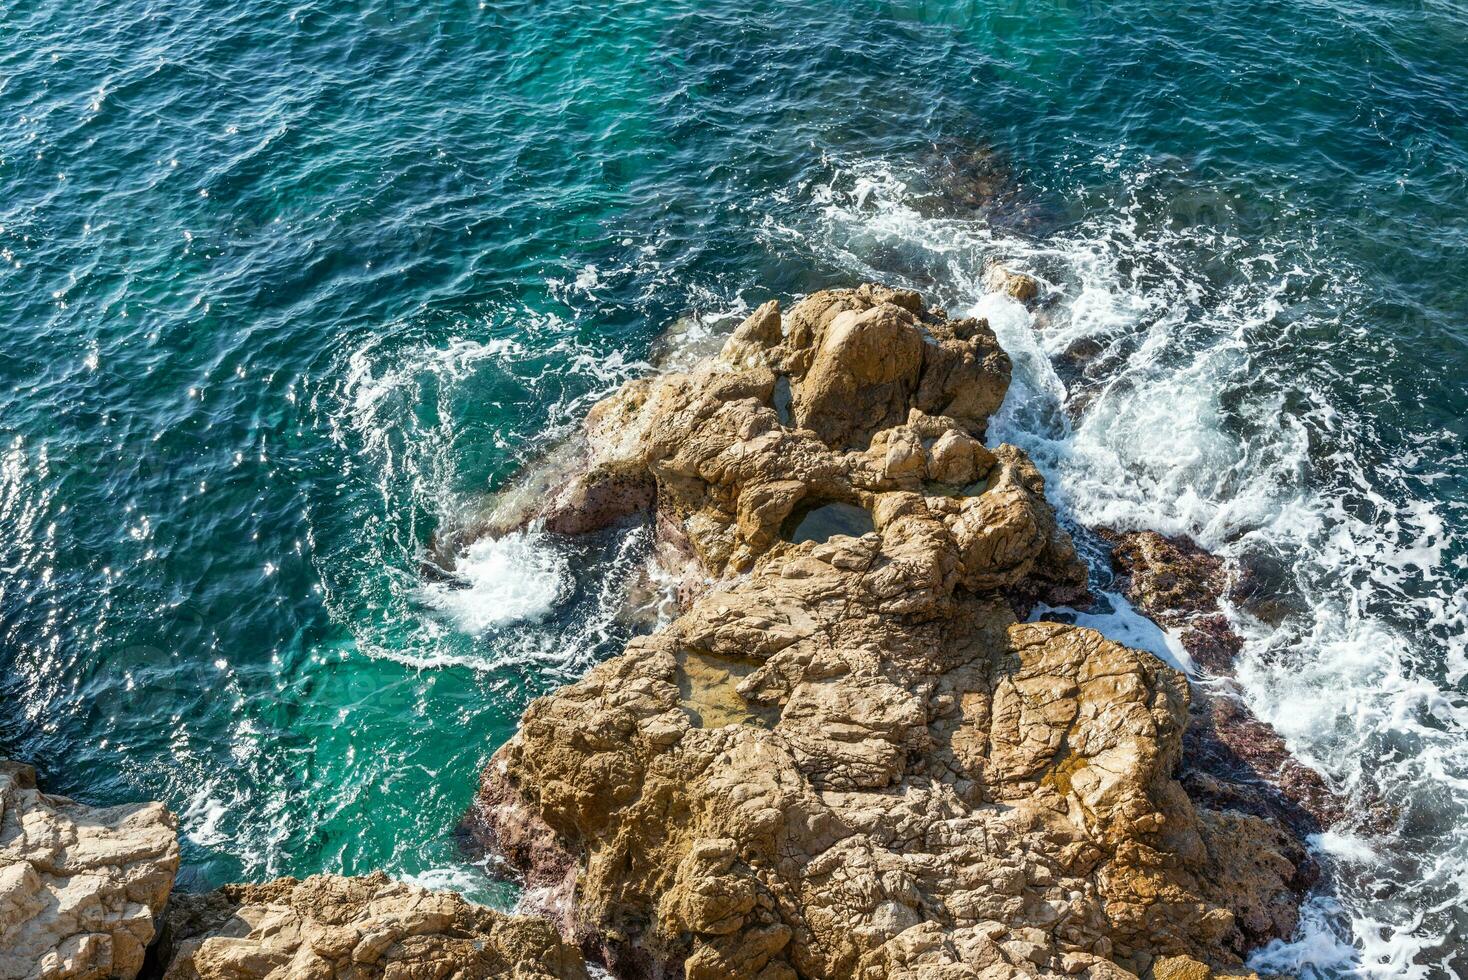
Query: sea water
[{"x": 290, "y": 287}]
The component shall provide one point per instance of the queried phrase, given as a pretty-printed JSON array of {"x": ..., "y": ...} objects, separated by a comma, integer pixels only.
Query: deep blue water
[{"x": 289, "y": 287}]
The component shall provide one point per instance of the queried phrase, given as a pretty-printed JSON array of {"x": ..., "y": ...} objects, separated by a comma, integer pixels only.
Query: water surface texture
[{"x": 289, "y": 286}]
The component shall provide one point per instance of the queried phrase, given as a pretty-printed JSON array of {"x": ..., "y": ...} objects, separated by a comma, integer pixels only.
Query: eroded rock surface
[
  {"x": 847, "y": 757},
  {"x": 329, "y": 926},
  {"x": 851, "y": 396},
  {"x": 80, "y": 886}
]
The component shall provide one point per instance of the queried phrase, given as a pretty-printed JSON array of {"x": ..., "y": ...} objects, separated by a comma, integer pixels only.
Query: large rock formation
[
  {"x": 853, "y": 398},
  {"x": 80, "y": 886},
  {"x": 355, "y": 929},
  {"x": 847, "y": 757}
]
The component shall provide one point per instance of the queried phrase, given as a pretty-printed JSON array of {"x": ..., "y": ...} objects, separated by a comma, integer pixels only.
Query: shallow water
[
  {"x": 824, "y": 521},
  {"x": 289, "y": 286}
]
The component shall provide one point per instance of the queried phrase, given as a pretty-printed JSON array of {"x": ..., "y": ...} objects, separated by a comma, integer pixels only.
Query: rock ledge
[{"x": 81, "y": 887}]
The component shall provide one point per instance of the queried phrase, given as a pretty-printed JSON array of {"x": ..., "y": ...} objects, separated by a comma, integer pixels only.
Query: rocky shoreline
[{"x": 848, "y": 756}]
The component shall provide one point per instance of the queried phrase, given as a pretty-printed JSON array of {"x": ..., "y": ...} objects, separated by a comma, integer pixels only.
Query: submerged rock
[
  {"x": 80, "y": 887},
  {"x": 330, "y": 926},
  {"x": 847, "y": 757}
]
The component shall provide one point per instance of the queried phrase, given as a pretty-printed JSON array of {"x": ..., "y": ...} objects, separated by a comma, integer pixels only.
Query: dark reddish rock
[
  {"x": 1230, "y": 756},
  {"x": 1212, "y": 642},
  {"x": 1170, "y": 579},
  {"x": 1233, "y": 759},
  {"x": 1262, "y": 587}
]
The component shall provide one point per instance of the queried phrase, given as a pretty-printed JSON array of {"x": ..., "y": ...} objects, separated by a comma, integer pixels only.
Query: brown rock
[
  {"x": 1017, "y": 285},
  {"x": 850, "y": 759},
  {"x": 958, "y": 459},
  {"x": 1170, "y": 579},
  {"x": 965, "y": 773},
  {"x": 329, "y": 926},
  {"x": 1187, "y": 968},
  {"x": 80, "y": 886},
  {"x": 877, "y": 385}
]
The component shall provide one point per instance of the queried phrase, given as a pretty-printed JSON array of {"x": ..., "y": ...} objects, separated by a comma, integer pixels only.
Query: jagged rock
[
  {"x": 885, "y": 397},
  {"x": 329, "y": 926},
  {"x": 1187, "y": 968},
  {"x": 1232, "y": 757},
  {"x": 1171, "y": 579},
  {"x": 847, "y": 758},
  {"x": 80, "y": 886},
  {"x": 1016, "y": 285}
]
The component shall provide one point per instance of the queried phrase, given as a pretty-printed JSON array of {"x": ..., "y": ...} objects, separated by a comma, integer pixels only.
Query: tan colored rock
[
  {"x": 958, "y": 459},
  {"x": 1016, "y": 285},
  {"x": 708, "y": 449},
  {"x": 753, "y": 339},
  {"x": 1007, "y": 784},
  {"x": 847, "y": 758},
  {"x": 328, "y": 926},
  {"x": 80, "y": 886},
  {"x": 862, "y": 375},
  {"x": 1187, "y": 968}
]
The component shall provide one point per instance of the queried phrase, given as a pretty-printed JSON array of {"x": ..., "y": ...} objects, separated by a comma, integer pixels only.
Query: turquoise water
[{"x": 289, "y": 287}]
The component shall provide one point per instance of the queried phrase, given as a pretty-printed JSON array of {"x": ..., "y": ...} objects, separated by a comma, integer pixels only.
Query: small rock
[{"x": 1017, "y": 285}]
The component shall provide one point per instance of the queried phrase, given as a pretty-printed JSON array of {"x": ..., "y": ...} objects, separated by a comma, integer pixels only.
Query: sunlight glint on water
[{"x": 290, "y": 287}]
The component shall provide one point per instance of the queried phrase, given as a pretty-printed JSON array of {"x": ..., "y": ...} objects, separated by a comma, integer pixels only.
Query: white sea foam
[
  {"x": 509, "y": 579},
  {"x": 397, "y": 413},
  {"x": 1126, "y": 626},
  {"x": 202, "y": 816},
  {"x": 468, "y": 882},
  {"x": 1198, "y": 426}
]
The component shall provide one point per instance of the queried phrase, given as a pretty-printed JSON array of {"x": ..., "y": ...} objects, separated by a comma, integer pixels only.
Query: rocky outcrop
[
  {"x": 851, "y": 396},
  {"x": 1232, "y": 756},
  {"x": 329, "y": 926},
  {"x": 1016, "y": 285},
  {"x": 80, "y": 886},
  {"x": 83, "y": 890},
  {"x": 848, "y": 757}
]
